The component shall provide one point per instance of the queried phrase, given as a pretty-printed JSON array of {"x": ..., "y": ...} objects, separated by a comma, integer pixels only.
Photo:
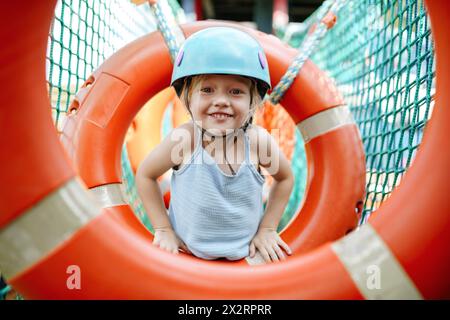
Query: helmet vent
[
  {"x": 180, "y": 57},
  {"x": 262, "y": 61}
]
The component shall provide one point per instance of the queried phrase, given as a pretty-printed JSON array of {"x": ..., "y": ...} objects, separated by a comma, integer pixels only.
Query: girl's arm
[
  {"x": 166, "y": 155},
  {"x": 267, "y": 240}
]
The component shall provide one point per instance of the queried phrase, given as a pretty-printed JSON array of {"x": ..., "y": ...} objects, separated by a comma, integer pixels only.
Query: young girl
[{"x": 216, "y": 208}]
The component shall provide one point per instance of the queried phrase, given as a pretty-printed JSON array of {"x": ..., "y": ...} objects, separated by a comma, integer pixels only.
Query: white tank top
[{"x": 216, "y": 214}]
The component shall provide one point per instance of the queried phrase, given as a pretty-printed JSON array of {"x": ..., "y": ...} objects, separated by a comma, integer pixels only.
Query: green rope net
[{"x": 82, "y": 35}]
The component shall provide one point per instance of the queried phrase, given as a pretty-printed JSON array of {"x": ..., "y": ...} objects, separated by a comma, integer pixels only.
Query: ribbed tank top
[{"x": 216, "y": 214}]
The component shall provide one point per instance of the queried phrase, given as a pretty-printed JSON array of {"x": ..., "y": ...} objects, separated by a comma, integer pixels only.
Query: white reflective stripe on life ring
[
  {"x": 109, "y": 195},
  {"x": 324, "y": 122},
  {"x": 372, "y": 266},
  {"x": 43, "y": 227}
]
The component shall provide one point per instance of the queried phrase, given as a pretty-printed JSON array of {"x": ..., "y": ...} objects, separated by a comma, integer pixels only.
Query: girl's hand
[
  {"x": 166, "y": 239},
  {"x": 269, "y": 244}
]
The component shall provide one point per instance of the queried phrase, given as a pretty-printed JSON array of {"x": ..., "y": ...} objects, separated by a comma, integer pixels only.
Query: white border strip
[
  {"x": 372, "y": 266},
  {"x": 324, "y": 122},
  {"x": 109, "y": 195},
  {"x": 43, "y": 227}
]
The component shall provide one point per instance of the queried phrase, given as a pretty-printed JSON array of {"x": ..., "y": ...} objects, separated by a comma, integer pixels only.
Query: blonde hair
[{"x": 190, "y": 83}]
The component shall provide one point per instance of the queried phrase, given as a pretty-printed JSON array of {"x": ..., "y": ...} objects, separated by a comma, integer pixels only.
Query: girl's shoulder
[
  {"x": 183, "y": 140},
  {"x": 261, "y": 141},
  {"x": 185, "y": 134},
  {"x": 257, "y": 135},
  {"x": 168, "y": 153}
]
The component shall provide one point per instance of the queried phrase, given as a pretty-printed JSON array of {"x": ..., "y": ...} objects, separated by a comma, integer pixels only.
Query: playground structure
[{"x": 422, "y": 261}]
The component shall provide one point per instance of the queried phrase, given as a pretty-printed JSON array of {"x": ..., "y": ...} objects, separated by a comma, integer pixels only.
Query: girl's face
[{"x": 221, "y": 102}]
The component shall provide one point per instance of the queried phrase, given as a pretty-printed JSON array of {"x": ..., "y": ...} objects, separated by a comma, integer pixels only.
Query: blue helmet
[{"x": 221, "y": 50}]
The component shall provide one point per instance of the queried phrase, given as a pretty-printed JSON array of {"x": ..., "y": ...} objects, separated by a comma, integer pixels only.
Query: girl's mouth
[{"x": 220, "y": 115}]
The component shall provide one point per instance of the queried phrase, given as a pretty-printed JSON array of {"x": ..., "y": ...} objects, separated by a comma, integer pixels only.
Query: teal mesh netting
[{"x": 380, "y": 54}]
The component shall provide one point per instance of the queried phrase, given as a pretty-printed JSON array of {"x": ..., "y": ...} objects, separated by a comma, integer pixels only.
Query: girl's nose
[{"x": 221, "y": 100}]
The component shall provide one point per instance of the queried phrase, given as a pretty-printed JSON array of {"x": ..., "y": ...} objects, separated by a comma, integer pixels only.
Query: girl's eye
[
  {"x": 236, "y": 91},
  {"x": 206, "y": 89}
]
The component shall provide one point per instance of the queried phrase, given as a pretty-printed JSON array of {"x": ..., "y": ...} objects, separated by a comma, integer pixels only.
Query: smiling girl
[{"x": 216, "y": 208}]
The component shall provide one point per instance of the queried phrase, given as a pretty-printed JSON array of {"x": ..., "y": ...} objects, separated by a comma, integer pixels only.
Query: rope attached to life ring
[
  {"x": 308, "y": 46},
  {"x": 170, "y": 30}
]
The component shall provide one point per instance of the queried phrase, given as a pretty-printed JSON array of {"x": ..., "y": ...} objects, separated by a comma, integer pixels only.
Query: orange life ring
[{"x": 113, "y": 249}]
